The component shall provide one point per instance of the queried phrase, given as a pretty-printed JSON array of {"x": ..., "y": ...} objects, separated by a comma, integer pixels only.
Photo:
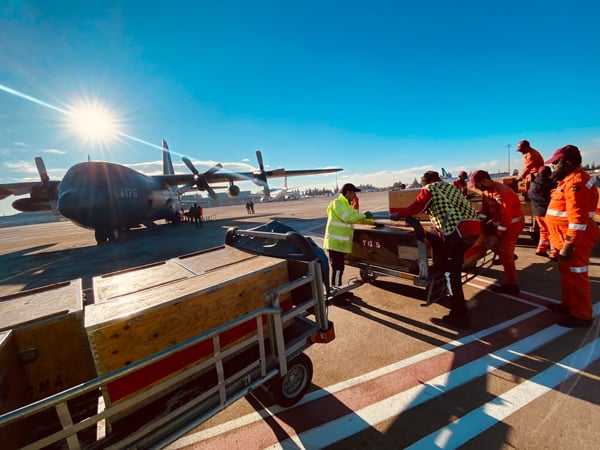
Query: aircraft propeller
[
  {"x": 260, "y": 177},
  {"x": 201, "y": 181}
]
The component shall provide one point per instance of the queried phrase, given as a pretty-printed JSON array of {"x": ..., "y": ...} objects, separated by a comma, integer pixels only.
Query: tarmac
[{"x": 394, "y": 377}]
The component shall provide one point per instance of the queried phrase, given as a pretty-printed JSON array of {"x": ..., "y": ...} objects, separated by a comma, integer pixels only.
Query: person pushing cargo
[
  {"x": 341, "y": 217},
  {"x": 455, "y": 229}
]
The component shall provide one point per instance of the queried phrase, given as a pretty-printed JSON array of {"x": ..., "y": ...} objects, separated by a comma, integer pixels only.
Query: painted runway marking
[
  {"x": 486, "y": 416},
  {"x": 363, "y": 417}
]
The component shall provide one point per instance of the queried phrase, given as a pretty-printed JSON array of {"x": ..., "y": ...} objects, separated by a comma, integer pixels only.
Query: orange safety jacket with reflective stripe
[
  {"x": 532, "y": 160},
  {"x": 571, "y": 210},
  {"x": 501, "y": 204}
]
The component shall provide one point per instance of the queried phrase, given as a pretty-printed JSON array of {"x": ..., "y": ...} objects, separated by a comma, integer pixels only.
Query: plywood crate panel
[
  {"x": 125, "y": 282},
  {"x": 125, "y": 329},
  {"x": 47, "y": 324}
]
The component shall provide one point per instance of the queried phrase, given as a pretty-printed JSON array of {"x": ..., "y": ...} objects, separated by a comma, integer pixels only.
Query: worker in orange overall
[
  {"x": 461, "y": 183},
  {"x": 501, "y": 211},
  {"x": 570, "y": 220},
  {"x": 532, "y": 160}
]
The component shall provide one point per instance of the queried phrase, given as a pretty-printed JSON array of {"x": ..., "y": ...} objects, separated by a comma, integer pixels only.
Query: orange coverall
[
  {"x": 501, "y": 205},
  {"x": 570, "y": 218},
  {"x": 532, "y": 161}
]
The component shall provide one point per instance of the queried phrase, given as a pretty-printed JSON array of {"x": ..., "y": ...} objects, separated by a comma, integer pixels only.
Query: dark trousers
[
  {"x": 448, "y": 259},
  {"x": 337, "y": 267}
]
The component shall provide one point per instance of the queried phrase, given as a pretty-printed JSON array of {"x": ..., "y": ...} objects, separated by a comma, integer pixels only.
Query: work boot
[
  {"x": 496, "y": 262},
  {"x": 510, "y": 289},
  {"x": 558, "y": 308},
  {"x": 542, "y": 248},
  {"x": 574, "y": 322},
  {"x": 457, "y": 321}
]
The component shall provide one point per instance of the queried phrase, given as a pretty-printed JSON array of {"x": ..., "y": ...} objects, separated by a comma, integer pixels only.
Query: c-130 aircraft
[{"x": 109, "y": 197}]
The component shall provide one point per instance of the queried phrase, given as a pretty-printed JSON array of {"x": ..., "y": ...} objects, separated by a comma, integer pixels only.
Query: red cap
[
  {"x": 569, "y": 152},
  {"x": 476, "y": 176}
]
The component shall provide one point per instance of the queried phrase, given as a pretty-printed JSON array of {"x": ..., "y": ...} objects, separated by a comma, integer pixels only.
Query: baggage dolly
[
  {"x": 401, "y": 251},
  {"x": 194, "y": 378}
]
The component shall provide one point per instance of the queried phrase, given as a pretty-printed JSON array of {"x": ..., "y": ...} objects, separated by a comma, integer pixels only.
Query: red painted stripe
[{"x": 296, "y": 420}]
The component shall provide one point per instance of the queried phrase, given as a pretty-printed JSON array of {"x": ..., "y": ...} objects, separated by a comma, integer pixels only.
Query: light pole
[{"x": 508, "y": 148}]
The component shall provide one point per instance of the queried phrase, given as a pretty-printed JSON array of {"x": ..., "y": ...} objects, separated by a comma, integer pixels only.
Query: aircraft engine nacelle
[
  {"x": 233, "y": 191},
  {"x": 31, "y": 205}
]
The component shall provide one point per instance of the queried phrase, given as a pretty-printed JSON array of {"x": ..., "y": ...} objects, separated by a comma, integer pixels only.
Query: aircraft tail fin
[
  {"x": 445, "y": 174},
  {"x": 167, "y": 163}
]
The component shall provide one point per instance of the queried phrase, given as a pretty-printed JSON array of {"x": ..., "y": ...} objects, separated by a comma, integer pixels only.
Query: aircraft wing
[
  {"x": 224, "y": 177},
  {"x": 17, "y": 188}
]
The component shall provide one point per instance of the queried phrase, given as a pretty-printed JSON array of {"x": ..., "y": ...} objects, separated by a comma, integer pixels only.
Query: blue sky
[{"x": 384, "y": 89}]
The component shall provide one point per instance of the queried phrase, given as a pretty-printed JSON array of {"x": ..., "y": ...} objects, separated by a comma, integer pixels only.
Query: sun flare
[{"x": 94, "y": 122}]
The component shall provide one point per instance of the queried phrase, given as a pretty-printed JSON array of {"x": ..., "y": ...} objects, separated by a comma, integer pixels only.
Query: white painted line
[
  {"x": 476, "y": 422},
  {"x": 262, "y": 414},
  {"x": 344, "y": 427}
]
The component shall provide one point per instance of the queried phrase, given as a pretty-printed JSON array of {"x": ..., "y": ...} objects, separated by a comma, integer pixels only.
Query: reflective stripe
[
  {"x": 501, "y": 228},
  {"x": 577, "y": 226},
  {"x": 592, "y": 213},
  {"x": 516, "y": 219},
  {"x": 341, "y": 224},
  {"x": 337, "y": 237},
  {"x": 555, "y": 212},
  {"x": 582, "y": 269},
  {"x": 482, "y": 216},
  {"x": 590, "y": 183}
]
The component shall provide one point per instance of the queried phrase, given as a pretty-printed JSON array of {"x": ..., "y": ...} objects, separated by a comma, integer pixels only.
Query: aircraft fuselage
[{"x": 107, "y": 196}]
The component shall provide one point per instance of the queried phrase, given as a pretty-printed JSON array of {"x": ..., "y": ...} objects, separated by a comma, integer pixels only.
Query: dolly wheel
[
  {"x": 288, "y": 390},
  {"x": 367, "y": 276}
]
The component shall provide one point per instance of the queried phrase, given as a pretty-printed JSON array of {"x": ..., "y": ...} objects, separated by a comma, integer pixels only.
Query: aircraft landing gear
[
  {"x": 102, "y": 236},
  {"x": 113, "y": 235}
]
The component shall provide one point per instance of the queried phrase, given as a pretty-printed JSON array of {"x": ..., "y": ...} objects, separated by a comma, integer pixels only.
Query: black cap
[{"x": 349, "y": 187}]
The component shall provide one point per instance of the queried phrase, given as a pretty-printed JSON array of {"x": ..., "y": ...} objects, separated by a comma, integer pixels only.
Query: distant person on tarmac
[
  {"x": 461, "y": 183},
  {"x": 339, "y": 232},
  {"x": 532, "y": 161},
  {"x": 455, "y": 228},
  {"x": 539, "y": 195},
  {"x": 500, "y": 214},
  {"x": 573, "y": 231},
  {"x": 195, "y": 214}
]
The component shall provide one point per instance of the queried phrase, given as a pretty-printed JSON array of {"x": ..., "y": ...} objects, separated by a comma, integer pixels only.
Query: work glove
[
  {"x": 566, "y": 253},
  {"x": 369, "y": 215},
  {"x": 395, "y": 216}
]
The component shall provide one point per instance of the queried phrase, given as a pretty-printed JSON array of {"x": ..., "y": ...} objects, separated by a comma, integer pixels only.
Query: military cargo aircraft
[{"x": 109, "y": 197}]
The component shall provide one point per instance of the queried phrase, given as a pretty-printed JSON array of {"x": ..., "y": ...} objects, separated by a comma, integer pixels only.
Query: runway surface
[{"x": 394, "y": 377}]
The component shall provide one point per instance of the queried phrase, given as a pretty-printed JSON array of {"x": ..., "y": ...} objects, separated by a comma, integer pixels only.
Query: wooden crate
[
  {"x": 404, "y": 198},
  {"x": 117, "y": 284},
  {"x": 130, "y": 327},
  {"x": 47, "y": 325},
  {"x": 13, "y": 389}
]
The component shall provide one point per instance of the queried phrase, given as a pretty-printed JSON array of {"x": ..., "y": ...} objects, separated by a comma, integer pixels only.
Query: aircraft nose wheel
[
  {"x": 102, "y": 236},
  {"x": 288, "y": 390}
]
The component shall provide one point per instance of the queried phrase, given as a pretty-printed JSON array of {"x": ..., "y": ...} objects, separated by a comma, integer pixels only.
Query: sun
[{"x": 93, "y": 122}]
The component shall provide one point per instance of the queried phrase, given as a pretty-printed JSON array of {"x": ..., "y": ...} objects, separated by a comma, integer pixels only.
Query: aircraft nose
[{"x": 80, "y": 206}]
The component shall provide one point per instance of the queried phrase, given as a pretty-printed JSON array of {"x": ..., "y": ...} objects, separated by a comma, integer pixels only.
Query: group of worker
[
  {"x": 564, "y": 202},
  {"x": 195, "y": 215}
]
